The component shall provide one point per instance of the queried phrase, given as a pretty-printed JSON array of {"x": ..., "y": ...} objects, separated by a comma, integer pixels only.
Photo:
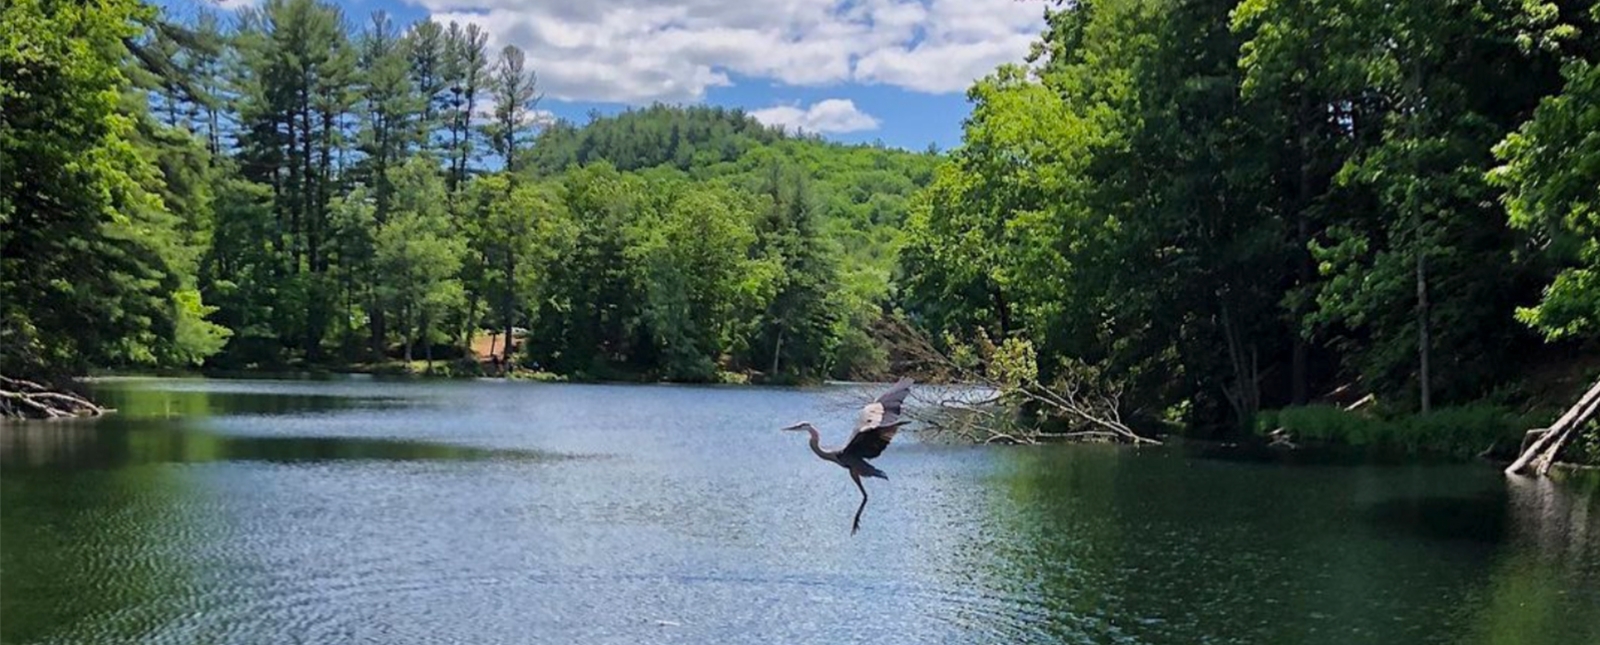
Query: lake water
[{"x": 355, "y": 510}]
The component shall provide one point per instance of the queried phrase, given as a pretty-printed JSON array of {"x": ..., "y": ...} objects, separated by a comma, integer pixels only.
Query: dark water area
[{"x": 364, "y": 510}]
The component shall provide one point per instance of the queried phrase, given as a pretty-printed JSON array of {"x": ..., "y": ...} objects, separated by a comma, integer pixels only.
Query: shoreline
[{"x": 1245, "y": 443}]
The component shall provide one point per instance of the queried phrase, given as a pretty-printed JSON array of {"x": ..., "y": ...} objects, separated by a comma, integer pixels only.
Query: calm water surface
[{"x": 486, "y": 512}]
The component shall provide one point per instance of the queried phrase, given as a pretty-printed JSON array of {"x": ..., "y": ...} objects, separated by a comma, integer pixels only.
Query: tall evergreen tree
[
  {"x": 515, "y": 96},
  {"x": 468, "y": 70}
]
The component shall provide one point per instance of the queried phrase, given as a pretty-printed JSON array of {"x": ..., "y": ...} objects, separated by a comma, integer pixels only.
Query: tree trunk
[
  {"x": 471, "y": 324},
  {"x": 1245, "y": 397},
  {"x": 346, "y": 335},
  {"x": 1298, "y": 374},
  {"x": 427, "y": 347},
  {"x": 214, "y": 130},
  {"x": 379, "y": 329},
  {"x": 1306, "y": 269},
  {"x": 1002, "y": 311},
  {"x": 509, "y": 308},
  {"x": 1422, "y": 331},
  {"x": 1546, "y": 448},
  {"x": 407, "y": 334},
  {"x": 777, "y": 351}
]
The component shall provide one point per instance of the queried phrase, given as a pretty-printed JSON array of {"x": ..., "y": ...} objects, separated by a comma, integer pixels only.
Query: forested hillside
[
  {"x": 1234, "y": 206},
  {"x": 293, "y": 186}
]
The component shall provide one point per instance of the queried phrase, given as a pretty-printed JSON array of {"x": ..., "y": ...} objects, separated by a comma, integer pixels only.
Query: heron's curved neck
[{"x": 816, "y": 444}]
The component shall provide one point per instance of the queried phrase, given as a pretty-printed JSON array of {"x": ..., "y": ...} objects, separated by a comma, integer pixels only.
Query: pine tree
[{"x": 515, "y": 94}]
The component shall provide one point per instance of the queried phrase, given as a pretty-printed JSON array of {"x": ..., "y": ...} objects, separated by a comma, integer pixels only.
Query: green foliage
[
  {"x": 1585, "y": 446},
  {"x": 417, "y": 256},
  {"x": 1458, "y": 431},
  {"x": 684, "y": 138},
  {"x": 1235, "y": 205},
  {"x": 702, "y": 286},
  {"x": 1110, "y": 208},
  {"x": 1225, "y": 205},
  {"x": 93, "y": 260},
  {"x": 1552, "y": 177},
  {"x": 516, "y": 233},
  {"x": 795, "y": 271},
  {"x": 515, "y": 94}
]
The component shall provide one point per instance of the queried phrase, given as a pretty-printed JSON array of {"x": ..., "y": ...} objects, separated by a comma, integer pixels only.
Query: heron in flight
[{"x": 876, "y": 427}]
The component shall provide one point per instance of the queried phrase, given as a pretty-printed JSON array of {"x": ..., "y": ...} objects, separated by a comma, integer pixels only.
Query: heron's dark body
[{"x": 860, "y": 467}]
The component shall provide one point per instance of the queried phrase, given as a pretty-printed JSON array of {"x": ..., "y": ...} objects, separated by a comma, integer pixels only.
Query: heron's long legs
[{"x": 856, "y": 526}]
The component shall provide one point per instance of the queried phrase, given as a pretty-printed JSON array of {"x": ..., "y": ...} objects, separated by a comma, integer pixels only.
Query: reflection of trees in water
[
  {"x": 105, "y": 444},
  {"x": 1548, "y": 589},
  {"x": 101, "y": 534},
  {"x": 131, "y": 442},
  {"x": 1053, "y": 561},
  {"x": 1557, "y": 519},
  {"x": 171, "y": 400},
  {"x": 92, "y": 555},
  {"x": 1161, "y": 548},
  {"x": 1004, "y": 551}
]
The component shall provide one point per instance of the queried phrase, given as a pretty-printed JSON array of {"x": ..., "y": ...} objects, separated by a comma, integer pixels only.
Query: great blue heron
[{"x": 876, "y": 427}]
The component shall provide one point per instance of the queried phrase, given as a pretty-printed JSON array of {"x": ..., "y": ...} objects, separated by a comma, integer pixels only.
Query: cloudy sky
[{"x": 852, "y": 70}]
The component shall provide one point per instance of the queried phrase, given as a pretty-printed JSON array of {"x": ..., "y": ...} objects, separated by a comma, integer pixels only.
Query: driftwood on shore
[
  {"x": 22, "y": 399},
  {"x": 1547, "y": 442}
]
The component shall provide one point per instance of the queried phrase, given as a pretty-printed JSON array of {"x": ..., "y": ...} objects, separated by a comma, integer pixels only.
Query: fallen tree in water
[
  {"x": 1002, "y": 398},
  {"x": 1547, "y": 443},
  {"x": 23, "y": 399}
]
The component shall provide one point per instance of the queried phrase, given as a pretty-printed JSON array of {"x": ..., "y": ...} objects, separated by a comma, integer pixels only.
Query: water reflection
[
  {"x": 1175, "y": 547},
  {"x": 200, "y": 398},
  {"x": 110, "y": 547},
  {"x": 137, "y": 443},
  {"x": 351, "y": 511}
]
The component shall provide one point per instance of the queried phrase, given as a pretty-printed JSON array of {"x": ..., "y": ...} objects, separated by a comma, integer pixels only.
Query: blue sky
[{"x": 851, "y": 70}]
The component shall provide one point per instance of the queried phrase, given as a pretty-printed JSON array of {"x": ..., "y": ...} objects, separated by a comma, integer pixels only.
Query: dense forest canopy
[
  {"x": 1237, "y": 205},
  {"x": 1226, "y": 206}
]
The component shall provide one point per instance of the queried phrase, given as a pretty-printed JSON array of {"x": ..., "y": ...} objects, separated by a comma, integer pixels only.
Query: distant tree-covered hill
[{"x": 851, "y": 199}]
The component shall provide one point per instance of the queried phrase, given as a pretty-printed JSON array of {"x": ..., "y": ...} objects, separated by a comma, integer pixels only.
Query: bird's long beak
[{"x": 796, "y": 426}]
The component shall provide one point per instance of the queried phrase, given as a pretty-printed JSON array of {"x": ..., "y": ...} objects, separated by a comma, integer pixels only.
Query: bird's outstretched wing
[
  {"x": 879, "y": 422},
  {"x": 885, "y": 409}
]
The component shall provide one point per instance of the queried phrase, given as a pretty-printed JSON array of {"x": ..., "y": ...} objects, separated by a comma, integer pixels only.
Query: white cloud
[
  {"x": 483, "y": 111},
  {"x": 827, "y": 116},
  {"x": 235, "y": 5},
  {"x": 638, "y": 51}
]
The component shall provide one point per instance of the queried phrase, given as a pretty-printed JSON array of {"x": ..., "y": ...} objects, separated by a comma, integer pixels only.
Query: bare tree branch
[
  {"x": 21, "y": 399},
  {"x": 1012, "y": 404}
]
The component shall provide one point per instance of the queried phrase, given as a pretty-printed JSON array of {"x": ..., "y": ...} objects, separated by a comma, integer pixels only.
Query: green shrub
[
  {"x": 1266, "y": 421},
  {"x": 538, "y": 376},
  {"x": 1458, "y": 432},
  {"x": 1330, "y": 424}
]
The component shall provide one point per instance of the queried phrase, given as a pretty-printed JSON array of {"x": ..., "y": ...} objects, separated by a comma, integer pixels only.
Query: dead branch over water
[{"x": 1001, "y": 398}]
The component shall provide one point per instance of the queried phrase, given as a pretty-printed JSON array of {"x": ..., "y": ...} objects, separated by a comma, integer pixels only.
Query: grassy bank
[{"x": 1459, "y": 432}]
